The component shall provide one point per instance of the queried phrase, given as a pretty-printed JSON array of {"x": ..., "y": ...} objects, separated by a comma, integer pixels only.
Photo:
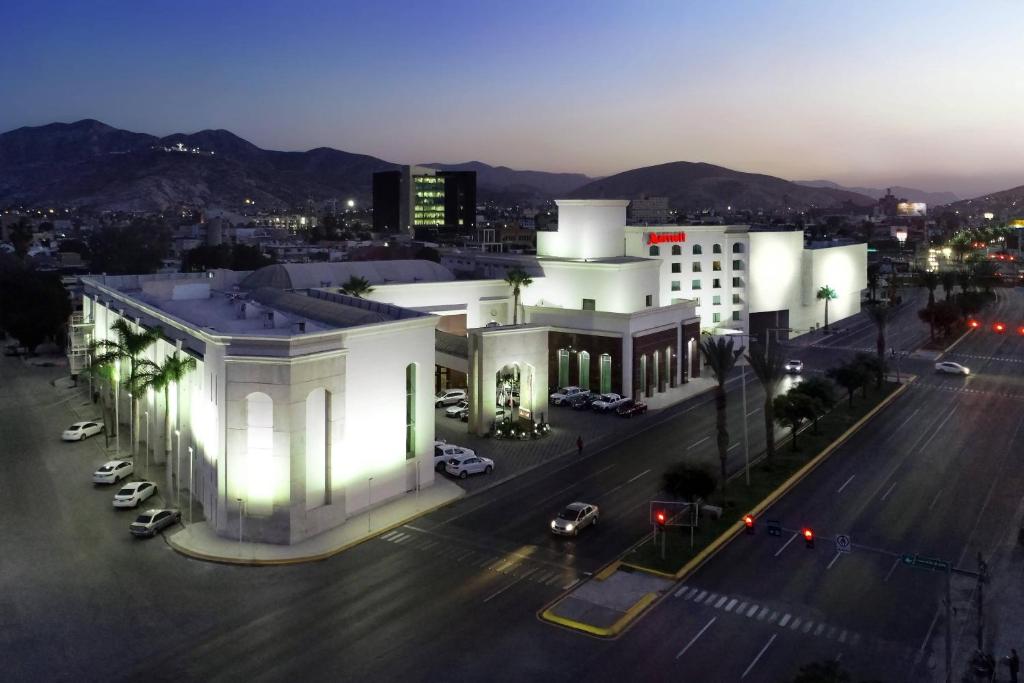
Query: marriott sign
[{"x": 664, "y": 237}]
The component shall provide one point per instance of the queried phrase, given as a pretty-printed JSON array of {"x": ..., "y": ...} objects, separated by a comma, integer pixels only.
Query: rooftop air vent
[
  {"x": 299, "y": 327},
  {"x": 268, "y": 320}
]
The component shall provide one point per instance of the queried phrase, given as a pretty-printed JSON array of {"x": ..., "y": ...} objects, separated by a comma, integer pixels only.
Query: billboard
[{"x": 911, "y": 209}]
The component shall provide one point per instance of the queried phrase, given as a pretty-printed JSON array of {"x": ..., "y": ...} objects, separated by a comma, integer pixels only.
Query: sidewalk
[{"x": 200, "y": 541}]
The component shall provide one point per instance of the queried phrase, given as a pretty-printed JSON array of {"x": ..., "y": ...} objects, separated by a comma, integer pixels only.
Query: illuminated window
[
  {"x": 563, "y": 367},
  {"x": 654, "y": 250},
  {"x": 737, "y": 248},
  {"x": 696, "y": 266},
  {"x": 606, "y": 373},
  {"x": 697, "y": 250},
  {"x": 695, "y": 284},
  {"x": 677, "y": 250},
  {"x": 584, "y": 369},
  {"x": 677, "y": 267},
  {"x": 675, "y": 286},
  {"x": 410, "y": 411},
  {"x": 716, "y": 265},
  {"x": 716, "y": 249},
  {"x": 716, "y": 317},
  {"x": 737, "y": 264}
]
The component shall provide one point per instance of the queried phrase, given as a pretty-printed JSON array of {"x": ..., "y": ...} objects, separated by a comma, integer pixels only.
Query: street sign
[
  {"x": 843, "y": 544},
  {"x": 925, "y": 562}
]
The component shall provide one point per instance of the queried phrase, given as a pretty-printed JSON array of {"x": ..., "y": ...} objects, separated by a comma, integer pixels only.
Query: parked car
[
  {"x": 465, "y": 465},
  {"x": 607, "y": 402},
  {"x": 445, "y": 451},
  {"x": 449, "y": 397},
  {"x": 794, "y": 366},
  {"x": 464, "y": 415},
  {"x": 573, "y": 518},
  {"x": 151, "y": 522},
  {"x": 558, "y": 398},
  {"x": 82, "y": 430},
  {"x": 580, "y": 401},
  {"x": 133, "y": 493},
  {"x": 453, "y": 411},
  {"x": 629, "y": 408},
  {"x": 113, "y": 471},
  {"x": 951, "y": 368}
]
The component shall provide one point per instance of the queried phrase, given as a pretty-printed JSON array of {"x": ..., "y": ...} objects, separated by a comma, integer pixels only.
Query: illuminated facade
[{"x": 424, "y": 201}]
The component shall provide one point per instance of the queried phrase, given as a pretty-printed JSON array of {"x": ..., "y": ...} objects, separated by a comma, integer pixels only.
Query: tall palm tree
[
  {"x": 826, "y": 294},
  {"x": 769, "y": 371},
  {"x": 161, "y": 378},
  {"x": 880, "y": 315},
  {"x": 517, "y": 278},
  {"x": 720, "y": 355},
  {"x": 357, "y": 286},
  {"x": 106, "y": 374},
  {"x": 127, "y": 348},
  {"x": 929, "y": 281}
]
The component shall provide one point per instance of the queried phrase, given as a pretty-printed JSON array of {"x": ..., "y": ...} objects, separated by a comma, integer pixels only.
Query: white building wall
[
  {"x": 775, "y": 271},
  {"x": 842, "y": 268},
  {"x": 587, "y": 228},
  {"x": 480, "y": 300},
  {"x": 614, "y": 287}
]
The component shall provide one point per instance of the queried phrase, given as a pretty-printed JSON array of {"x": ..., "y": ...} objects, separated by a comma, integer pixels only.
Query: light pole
[
  {"x": 147, "y": 443},
  {"x": 131, "y": 425},
  {"x": 177, "y": 471},
  {"x": 117, "y": 405},
  {"x": 191, "y": 461},
  {"x": 241, "y": 513},
  {"x": 369, "y": 499}
]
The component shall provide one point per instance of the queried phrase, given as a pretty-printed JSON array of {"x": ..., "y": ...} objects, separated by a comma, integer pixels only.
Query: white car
[
  {"x": 443, "y": 452},
  {"x": 113, "y": 471},
  {"x": 952, "y": 368},
  {"x": 466, "y": 465},
  {"x": 574, "y": 517},
  {"x": 152, "y": 521},
  {"x": 449, "y": 397},
  {"x": 558, "y": 398},
  {"x": 133, "y": 493},
  {"x": 456, "y": 410},
  {"x": 82, "y": 430},
  {"x": 794, "y": 366},
  {"x": 607, "y": 403}
]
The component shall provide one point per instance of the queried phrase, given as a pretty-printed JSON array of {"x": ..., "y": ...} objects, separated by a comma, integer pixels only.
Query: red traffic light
[
  {"x": 808, "y": 537},
  {"x": 748, "y": 521},
  {"x": 999, "y": 328},
  {"x": 1020, "y": 330},
  {"x": 659, "y": 516},
  {"x": 973, "y": 324}
]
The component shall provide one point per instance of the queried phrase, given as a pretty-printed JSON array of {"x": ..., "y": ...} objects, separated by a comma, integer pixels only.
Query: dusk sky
[{"x": 925, "y": 94}]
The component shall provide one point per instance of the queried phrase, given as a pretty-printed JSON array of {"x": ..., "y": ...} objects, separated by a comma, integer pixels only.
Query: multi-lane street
[{"x": 454, "y": 594}]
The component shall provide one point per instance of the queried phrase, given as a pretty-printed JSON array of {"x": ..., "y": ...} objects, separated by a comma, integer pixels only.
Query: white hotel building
[{"x": 308, "y": 407}]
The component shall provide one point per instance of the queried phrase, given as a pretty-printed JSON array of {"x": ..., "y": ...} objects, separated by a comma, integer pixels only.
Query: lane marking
[
  {"x": 889, "y": 491},
  {"x": 735, "y": 445},
  {"x": 637, "y": 476},
  {"x": 694, "y": 639},
  {"x": 711, "y": 598},
  {"x": 721, "y": 602},
  {"x": 935, "y": 432},
  {"x": 551, "y": 580},
  {"x": 842, "y": 636},
  {"x": 701, "y": 596},
  {"x": 840, "y": 489},
  {"x": 494, "y": 595},
  {"x": 732, "y": 603},
  {"x": 766, "y": 645},
  {"x": 762, "y": 613},
  {"x": 935, "y": 499},
  {"x": 414, "y": 528},
  {"x": 821, "y": 627},
  {"x": 389, "y": 535},
  {"x": 530, "y": 571},
  {"x": 796, "y": 624},
  {"x": 751, "y": 611},
  {"x": 540, "y": 578},
  {"x": 755, "y": 410},
  {"x": 694, "y": 591},
  {"x": 773, "y": 617},
  {"x": 460, "y": 558},
  {"x": 791, "y": 539},
  {"x": 694, "y": 445},
  {"x": 808, "y": 625},
  {"x": 833, "y": 560},
  {"x": 743, "y": 606}
]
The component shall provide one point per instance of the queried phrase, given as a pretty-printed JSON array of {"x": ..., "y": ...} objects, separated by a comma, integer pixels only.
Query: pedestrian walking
[
  {"x": 579, "y": 445},
  {"x": 1013, "y": 661}
]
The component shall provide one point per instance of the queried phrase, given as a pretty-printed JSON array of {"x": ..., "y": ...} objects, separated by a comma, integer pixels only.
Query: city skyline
[{"x": 919, "y": 96}]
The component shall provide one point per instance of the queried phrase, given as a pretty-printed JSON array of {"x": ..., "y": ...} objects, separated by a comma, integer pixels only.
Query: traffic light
[
  {"x": 999, "y": 328},
  {"x": 808, "y": 537},
  {"x": 660, "y": 517},
  {"x": 1020, "y": 330},
  {"x": 973, "y": 324},
  {"x": 748, "y": 522}
]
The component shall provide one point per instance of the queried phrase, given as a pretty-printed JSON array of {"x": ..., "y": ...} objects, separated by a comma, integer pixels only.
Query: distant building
[
  {"x": 648, "y": 210},
  {"x": 424, "y": 202}
]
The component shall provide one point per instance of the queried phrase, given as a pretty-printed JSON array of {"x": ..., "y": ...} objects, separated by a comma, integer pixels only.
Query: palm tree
[
  {"x": 819, "y": 391},
  {"x": 769, "y": 371},
  {"x": 357, "y": 286},
  {"x": 161, "y": 377},
  {"x": 880, "y": 315},
  {"x": 128, "y": 348},
  {"x": 793, "y": 408},
  {"x": 721, "y": 357},
  {"x": 948, "y": 278},
  {"x": 961, "y": 245},
  {"x": 826, "y": 294},
  {"x": 517, "y": 278},
  {"x": 107, "y": 375},
  {"x": 929, "y": 281}
]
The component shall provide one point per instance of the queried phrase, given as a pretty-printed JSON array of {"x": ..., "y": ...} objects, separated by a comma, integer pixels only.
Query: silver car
[
  {"x": 151, "y": 522},
  {"x": 951, "y": 368},
  {"x": 466, "y": 465},
  {"x": 574, "y": 517}
]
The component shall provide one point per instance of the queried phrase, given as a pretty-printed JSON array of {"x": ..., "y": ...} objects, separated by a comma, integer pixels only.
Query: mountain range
[{"x": 909, "y": 193}]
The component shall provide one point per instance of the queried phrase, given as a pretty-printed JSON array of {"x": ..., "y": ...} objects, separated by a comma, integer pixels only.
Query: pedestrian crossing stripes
[
  {"x": 752, "y": 610},
  {"x": 1002, "y": 359},
  {"x": 966, "y": 390}
]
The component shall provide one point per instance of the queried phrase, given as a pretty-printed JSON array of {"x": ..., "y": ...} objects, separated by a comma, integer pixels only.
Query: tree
[
  {"x": 869, "y": 366},
  {"x": 880, "y": 315},
  {"x": 769, "y": 370},
  {"x": 357, "y": 286},
  {"x": 133, "y": 249},
  {"x": 961, "y": 245},
  {"x": 946, "y": 314},
  {"x": 826, "y": 294},
  {"x": 34, "y": 306},
  {"x": 720, "y": 355},
  {"x": 986, "y": 275},
  {"x": 21, "y": 237},
  {"x": 791, "y": 409},
  {"x": 161, "y": 378},
  {"x": 927, "y": 315},
  {"x": 948, "y": 278},
  {"x": 688, "y": 483},
  {"x": 820, "y": 392},
  {"x": 127, "y": 347},
  {"x": 517, "y": 278},
  {"x": 929, "y": 281},
  {"x": 873, "y": 281},
  {"x": 849, "y": 376}
]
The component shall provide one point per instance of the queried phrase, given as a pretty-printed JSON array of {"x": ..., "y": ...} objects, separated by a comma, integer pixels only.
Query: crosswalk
[
  {"x": 509, "y": 564},
  {"x": 961, "y": 389},
  {"x": 975, "y": 356}
]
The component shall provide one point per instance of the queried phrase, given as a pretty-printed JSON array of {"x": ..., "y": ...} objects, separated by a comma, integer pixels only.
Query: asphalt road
[{"x": 453, "y": 595}]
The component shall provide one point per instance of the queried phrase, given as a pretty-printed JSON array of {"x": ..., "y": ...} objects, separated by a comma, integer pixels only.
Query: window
[
  {"x": 695, "y": 284},
  {"x": 736, "y": 315},
  {"x": 737, "y": 248},
  {"x": 677, "y": 268},
  {"x": 677, "y": 250},
  {"x": 259, "y": 442},
  {"x": 606, "y": 373},
  {"x": 697, "y": 250},
  {"x": 737, "y": 264},
  {"x": 563, "y": 367},
  {"x": 675, "y": 285},
  {"x": 696, "y": 266},
  {"x": 648, "y": 300},
  {"x": 716, "y": 284},
  {"x": 736, "y": 282},
  {"x": 716, "y": 249},
  {"x": 736, "y": 299},
  {"x": 584, "y": 361},
  {"x": 654, "y": 250},
  {"x": 589, "y": 304},
  {"x": 716, "y": 265},
  {"x": 410, "y": 411},
  {"x": 716, "y": 317},
  {"x": 716, "y": 300}
]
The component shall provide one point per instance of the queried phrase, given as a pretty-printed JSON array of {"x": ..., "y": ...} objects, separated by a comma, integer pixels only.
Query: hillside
[
  {"x": 506, "y": 181},
  {"x": 1005, "y": 204},
  {"x": 695, "y": 186},
  {"x": 908, "y": 193}
]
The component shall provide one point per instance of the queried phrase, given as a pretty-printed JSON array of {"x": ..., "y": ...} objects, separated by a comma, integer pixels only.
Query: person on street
[{"x": 579, "y": 445}]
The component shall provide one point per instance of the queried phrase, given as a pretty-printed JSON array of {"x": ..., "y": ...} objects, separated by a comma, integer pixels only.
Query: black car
[
  {"x": 630, "y": 408},
  {"x": 580, "y": 401}
]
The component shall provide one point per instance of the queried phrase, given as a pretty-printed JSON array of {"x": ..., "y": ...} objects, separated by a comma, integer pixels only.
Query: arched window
[
  {"x": 716, "y": 249},
  {"x": 669, "y": 377},
  {"x": 318, "y": 462},
  {"x": 259, "y": 444},
  {"x": 737, "y": 248},
  {"x": 677, "y": 250},
  {"x": 697, "y": 251},
  {"x": 410, "y": 411},
  {"x": 584, "y": 361},
  {"x": 654, "y": 250},
  {"x": 643, "y": 375}
]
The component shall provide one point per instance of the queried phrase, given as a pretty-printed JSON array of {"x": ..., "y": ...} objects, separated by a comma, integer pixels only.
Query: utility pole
[
  {"x": 949, "y": 622},
  {"x": 982, "y": 573}
]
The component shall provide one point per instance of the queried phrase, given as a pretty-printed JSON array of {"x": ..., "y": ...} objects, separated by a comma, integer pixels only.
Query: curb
[{"x": 603, "y": 631}]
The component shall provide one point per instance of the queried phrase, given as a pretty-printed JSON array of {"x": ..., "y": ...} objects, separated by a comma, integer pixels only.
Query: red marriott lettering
[{"x": 662, "y": 237}]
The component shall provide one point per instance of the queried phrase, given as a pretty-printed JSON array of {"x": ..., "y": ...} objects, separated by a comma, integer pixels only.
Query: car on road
[
  {"x": 443, "y": 452},
  {"x": 463, "y": 466},
  {"x": 794, "y": 366},
  {"x": 113, "y": 471},
  {"x": 456, "y": 410},
  {"x": 82, "y": 430},
  {"x": 573, "y": 518},
  {"x": 559, "y": 397},
  {"x": 449, "y": 397},
  {"x": 951, "y": 368},
  {"x": 151, "y": 522},
  {"x": 133, "y": 493},
  {"x": 580, "y": 401},
  {"x": 606, "y": 403},
  {"x": 629, "y": 408}
]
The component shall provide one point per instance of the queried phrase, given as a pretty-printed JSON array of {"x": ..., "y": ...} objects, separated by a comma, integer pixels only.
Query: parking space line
[
  {"x": 791, "y": 539},
  {"x": 694, "y": 639},
  {"x": 430, "y": 545},
  {"x": 796, "y": 624},
  {"x": 808, "y": 625},
  {"x": 842, "y": 636},
  {"x": 711, "y": 598},
  {"x": 541, "y": 578},
  {"x": 718, "y": 605},
  {"x": 551, "y": 580},
  {"x": 751, "y": 611},
  {"x": 935, "y": 499},
  {"x": 735, "y": 445},
  {"x": 833, "y": 560},
  {"x": 840, "y": 489},
  {"x": 693, "y": 591},
  {"x": 570, "y": 584},
  {"x": 494, "y": 595},
  {"x": 761, "y": 615},
  {"x": 460, "y": 558},
  {"x": 821, "y": 627},
  {"x": 695, "y": 444},
  {"x": 766, "y": 646},
  {"x": 389, "y": 535},
  {"x": 701, "y": 596},
  {"x": 753, "y": 411},
  {"x": 401, "y": 538},
  {"x": 773, "y": 617},
  {"x": 527, "y": 573},
  {"x": 895, "y": 563}
]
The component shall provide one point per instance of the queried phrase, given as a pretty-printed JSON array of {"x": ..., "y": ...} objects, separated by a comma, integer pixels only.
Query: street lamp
[
  {"x": 117, "y": 405},
  {"x": 131, "y": 425},
  {"x": 147, "y": 443},
  {"x": 241, "y": 514},
  {"x": 369, "y": 499},
  {"x": 177, "y": 471}
]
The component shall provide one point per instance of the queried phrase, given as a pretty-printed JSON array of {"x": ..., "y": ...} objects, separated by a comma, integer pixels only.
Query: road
[{"x": 454, "y": 594}]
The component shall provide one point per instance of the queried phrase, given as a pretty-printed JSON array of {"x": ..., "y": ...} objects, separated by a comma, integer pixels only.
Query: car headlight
[
  {"x": 553, "y": 524},
  {"x": 568, "y": 527}
]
